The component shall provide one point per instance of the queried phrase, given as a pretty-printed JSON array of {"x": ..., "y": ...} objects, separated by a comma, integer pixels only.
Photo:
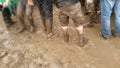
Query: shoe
[
  {"x": 83, "y": 41},
  {"x": 115, "y": 34},
  {"x": 106, "y": 37}
]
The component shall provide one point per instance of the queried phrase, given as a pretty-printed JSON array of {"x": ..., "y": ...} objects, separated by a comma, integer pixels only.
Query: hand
[{"x": 5, "y": 4}]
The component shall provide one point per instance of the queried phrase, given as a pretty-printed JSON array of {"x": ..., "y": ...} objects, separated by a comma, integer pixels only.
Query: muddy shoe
[
  {"x": 115, "y": 34},
  {"x": 66, "y": 37},
  {"x": 83, "y": 41}
]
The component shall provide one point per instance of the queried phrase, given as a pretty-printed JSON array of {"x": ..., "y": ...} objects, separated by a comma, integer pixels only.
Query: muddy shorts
[{"x": 72, "y": 11}]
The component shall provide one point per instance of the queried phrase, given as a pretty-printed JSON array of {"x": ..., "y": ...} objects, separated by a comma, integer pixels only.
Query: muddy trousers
[
  {"x": 24, "y": 13},
  {"x": 46, "y": 11}
]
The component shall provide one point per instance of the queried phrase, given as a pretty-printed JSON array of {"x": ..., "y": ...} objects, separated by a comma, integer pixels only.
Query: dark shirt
[{"x": 61, "y": 3}]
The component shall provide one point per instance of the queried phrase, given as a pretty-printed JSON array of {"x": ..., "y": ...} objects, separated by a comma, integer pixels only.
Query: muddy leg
[
  {"x": 64, "y": 22},
  {"x": 49, "y": 24},
  {"x": 65, "y": 33},
  {"x": 20, "y": 15},
  {"x": 29, "y": 18},
  {"x": 79, "y": 20},
  {"x": 82, "y": 40},
  {"x": 43, "y": 19},
  {"x": 48, "y": 10},
  {"x": 7, "y": 17},
  {"x": 90, "y": 10}
]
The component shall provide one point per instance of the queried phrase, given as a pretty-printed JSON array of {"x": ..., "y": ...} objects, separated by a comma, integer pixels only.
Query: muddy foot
[{"x": 83, "y": 41}]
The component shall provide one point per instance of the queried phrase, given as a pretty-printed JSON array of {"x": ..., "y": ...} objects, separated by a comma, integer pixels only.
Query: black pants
[{"x": 6, "y": 16}]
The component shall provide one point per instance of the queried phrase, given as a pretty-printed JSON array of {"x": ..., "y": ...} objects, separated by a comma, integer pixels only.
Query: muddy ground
[{"x": 33, "y": 50}]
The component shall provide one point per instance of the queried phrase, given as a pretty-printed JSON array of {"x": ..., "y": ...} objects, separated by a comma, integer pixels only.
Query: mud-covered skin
[
  {"x": 73, "y": 11},
  {"x": 24, "y": 13}
]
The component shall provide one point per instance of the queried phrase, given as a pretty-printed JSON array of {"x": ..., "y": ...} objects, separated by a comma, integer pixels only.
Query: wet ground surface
[{"x": 33, "y": 50}]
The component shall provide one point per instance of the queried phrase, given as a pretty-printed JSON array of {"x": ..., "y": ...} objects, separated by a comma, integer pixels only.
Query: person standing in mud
[
  {"x": 8, "y": 8},
  {"x": 107, "y": 6},
  {"x": 46, "y": 10},
  {"x": 71, "y": 9},
  {"x": 24, "y": 14},
  {"x": 92, "y": 7}
]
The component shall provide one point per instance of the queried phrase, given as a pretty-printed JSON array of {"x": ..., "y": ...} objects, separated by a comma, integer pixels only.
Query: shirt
[{"x": 60, "y": 3}]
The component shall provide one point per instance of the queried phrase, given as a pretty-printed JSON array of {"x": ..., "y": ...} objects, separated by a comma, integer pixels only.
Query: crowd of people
[{"x": 23, "y": 9}]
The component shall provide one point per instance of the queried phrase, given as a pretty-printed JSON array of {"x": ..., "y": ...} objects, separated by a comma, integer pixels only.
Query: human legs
[
  {"x": 29, "y": 18},
  {"x": 106, "y": 11},
  {"x": 117, "y": 18},
  {"x": 20, "y": 14},
  {"x": 64, "y": 20}
]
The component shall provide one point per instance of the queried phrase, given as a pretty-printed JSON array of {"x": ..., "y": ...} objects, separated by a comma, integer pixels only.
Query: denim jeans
[{"x": 106, "y": 9}]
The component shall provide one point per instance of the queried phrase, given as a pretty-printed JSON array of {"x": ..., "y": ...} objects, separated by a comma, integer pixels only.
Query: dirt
[{"x": 33, "y": 50}]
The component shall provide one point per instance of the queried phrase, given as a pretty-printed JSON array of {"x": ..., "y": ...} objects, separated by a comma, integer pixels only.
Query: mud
[{"x": 33, "y": 50}]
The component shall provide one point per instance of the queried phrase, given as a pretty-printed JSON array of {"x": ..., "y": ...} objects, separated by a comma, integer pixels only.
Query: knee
[{"x": 64, "y": 20}]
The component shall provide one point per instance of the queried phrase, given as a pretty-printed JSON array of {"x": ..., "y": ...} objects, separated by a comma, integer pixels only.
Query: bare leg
[
  {"x": 65, "y": 33},
  {"x": 29, "y": 18},
  {"x": 64, "y": 19}
]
